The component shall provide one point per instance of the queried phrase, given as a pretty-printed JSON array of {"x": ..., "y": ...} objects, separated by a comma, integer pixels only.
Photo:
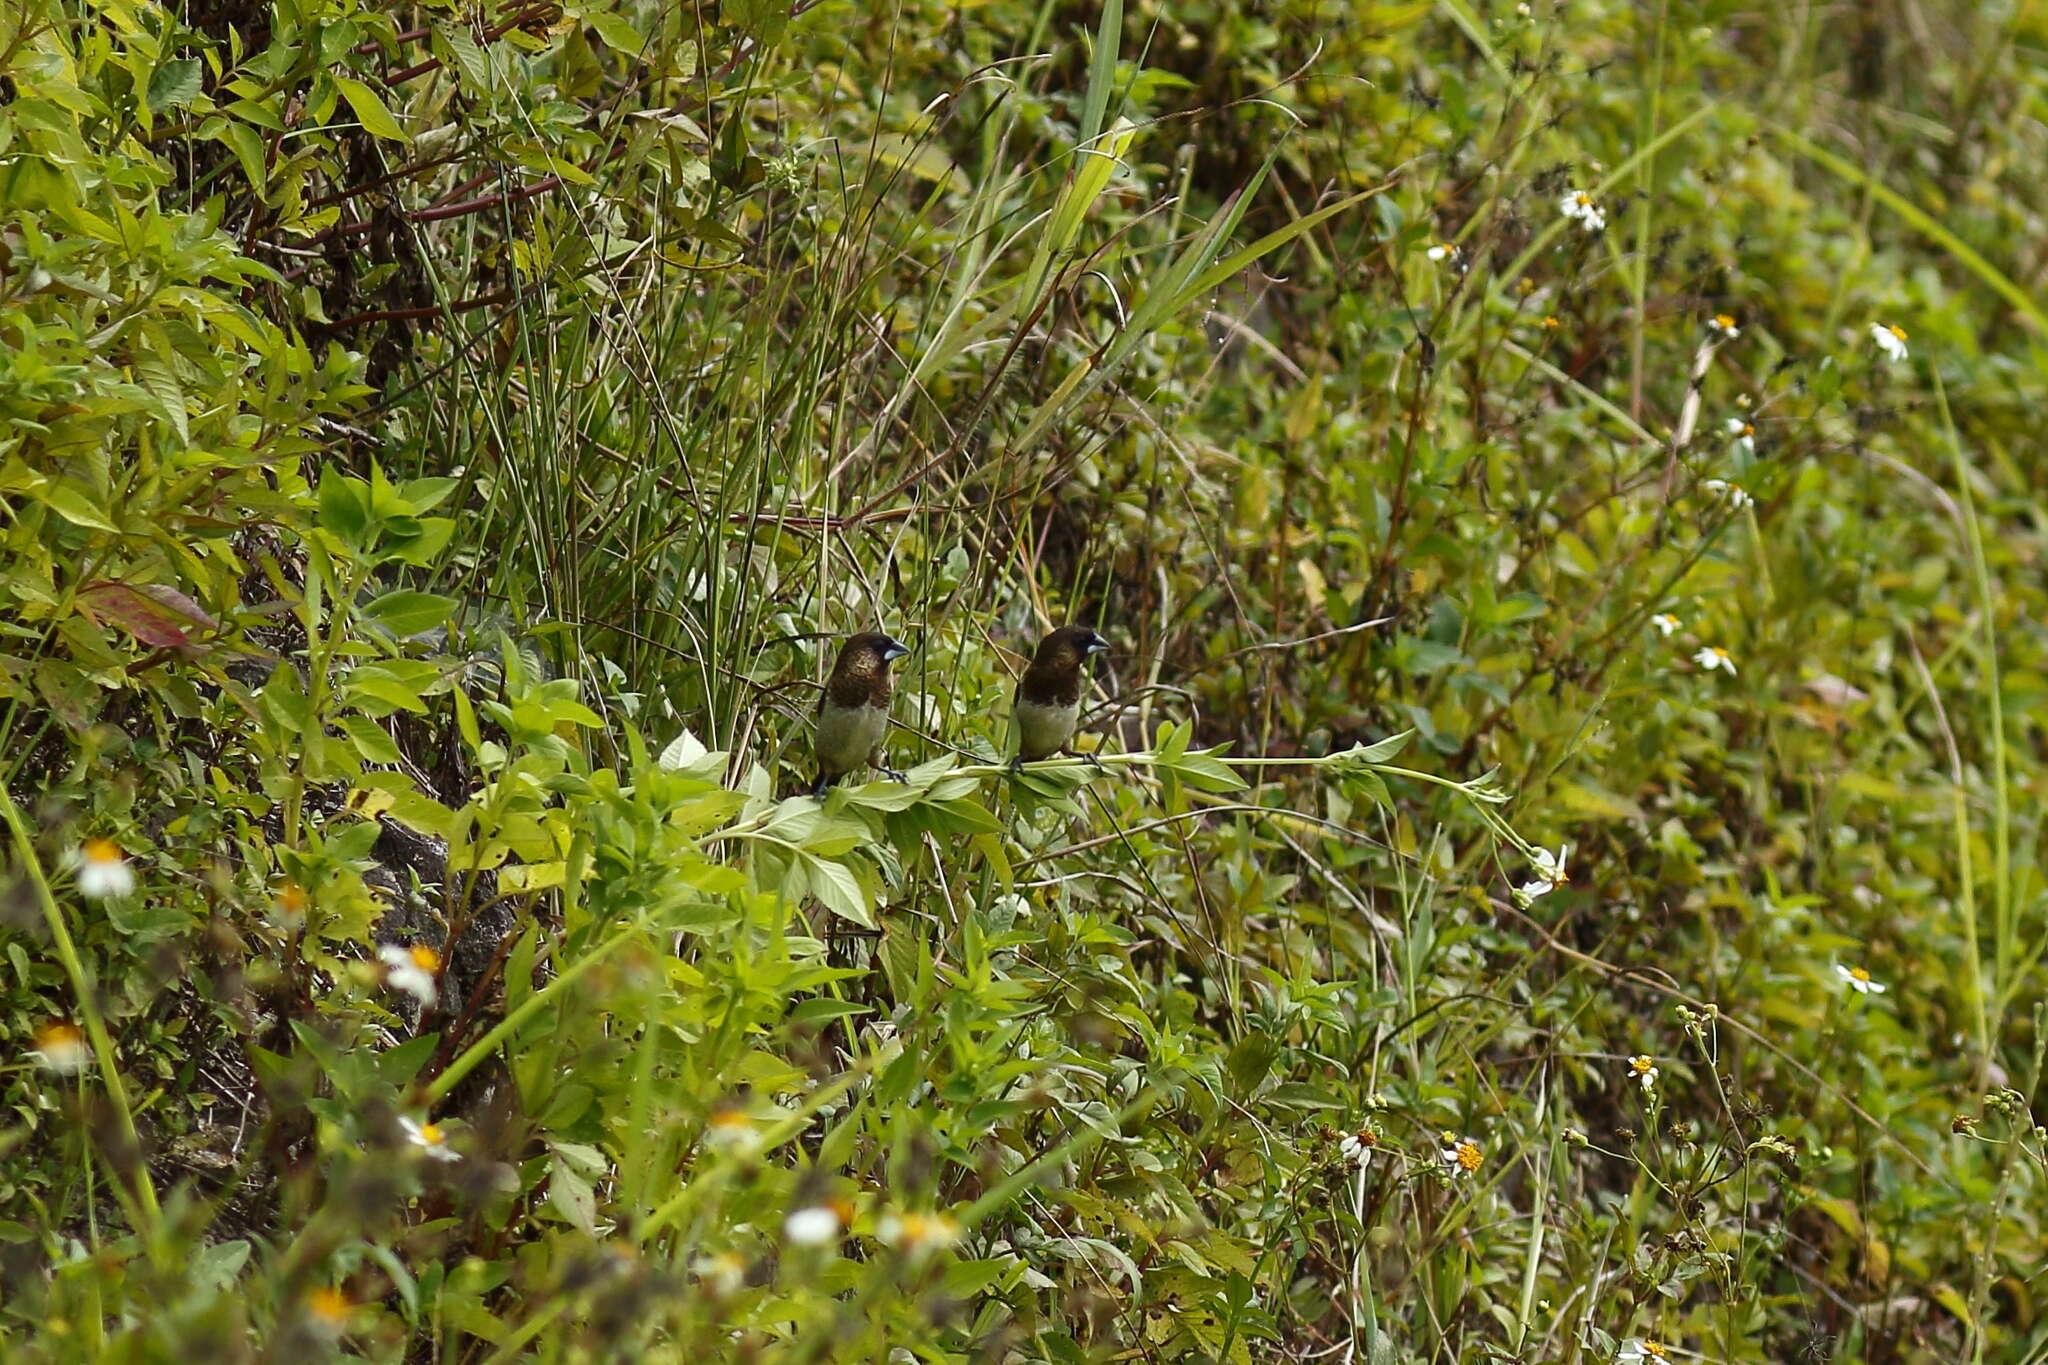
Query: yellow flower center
[
  {"x": 1859, "y": 974},
  {"x": 292, "y": 899},
  {"x": 1724, "y": 322},
  {"x": 1749, "y": 429},
  {"x": 1469, "y": 1156},
  {"x": 430, "y": 1135},
  {"x": 1551, "y": 323},
  {"x": 425, "y": 958},
  {"x": 1654, "y": 1348},
  {"x": 728, "y": 1128},
  {"x": 1641, "y": 1064},
  {"x": 329, "y": 1306},
  {"x": 102, "y": 851},
  {"x": 1896, "y": 330},
  {"x": 1585, "y": 201},
  {"x": 58, "y": 1035}
]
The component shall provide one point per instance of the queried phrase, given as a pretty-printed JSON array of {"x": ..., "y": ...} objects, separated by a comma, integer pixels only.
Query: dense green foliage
[{"x": 441, "y": 447}]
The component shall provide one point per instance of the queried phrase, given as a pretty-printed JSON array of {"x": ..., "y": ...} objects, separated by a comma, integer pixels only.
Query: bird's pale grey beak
[
  {"x": 893, "y": 649},
  {"x": 1096, "y": 645}
]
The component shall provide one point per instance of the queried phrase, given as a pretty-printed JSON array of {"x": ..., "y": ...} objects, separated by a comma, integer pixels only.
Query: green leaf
[
  {"x": 370, "y": 110},
  {"x": 379, "y": 693},
  {"x": 174, "y": 84},
  {"x": 400, "y": 1064},
  {"x": 420, "y": 542},
  {"x": 962, "y": 1280},
  {"x": 765, "y": 20},
  {"x": 344, "y": 506},
  {"x": 424, "y": 495},
  {"x": 819, "y": 1009},
  {"x": 838, "y": 890},
  {"x": 1370, "y": 784},
  {"x": 371, "y": 740},
  {"x": 571, "y": 1196},
  {"x": 1380, "y": 751},
  {"x": 69, "y": 503},
  {"x": 1205, "y": 772},
  {"x": 406, "y": 614},
  {"x": 617, "y": 33},
  {"x": 465, "y": 722}
]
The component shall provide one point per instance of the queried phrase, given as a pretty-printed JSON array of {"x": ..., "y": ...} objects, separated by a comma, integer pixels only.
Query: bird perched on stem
[
  {"x": 853, "y": 715},
  {"x": 1048, "y": 701}
]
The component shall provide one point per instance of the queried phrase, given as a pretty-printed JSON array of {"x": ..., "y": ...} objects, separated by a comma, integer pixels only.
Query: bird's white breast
[
  {"x": 848, "y": 734},
  {"x": 1043, "y": 729}
]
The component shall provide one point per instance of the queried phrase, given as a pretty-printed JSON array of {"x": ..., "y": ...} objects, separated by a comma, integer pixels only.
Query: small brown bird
[
  {"x": 1048, "y": 702},
  {"x": 853, "y": 715}
]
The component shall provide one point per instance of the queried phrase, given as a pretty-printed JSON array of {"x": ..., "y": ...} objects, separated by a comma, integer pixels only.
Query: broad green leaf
[
  {"x": 617, "y": 32},
  {"x": 370, "y": 110},
  {"x": 68, "y": 502},
  {"x": 174, "y": 84},
  {"x": 406, "y": 613}
]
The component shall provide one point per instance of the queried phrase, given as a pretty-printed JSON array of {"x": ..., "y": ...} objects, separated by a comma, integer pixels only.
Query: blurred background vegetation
[{"x": 443, "y": 444}]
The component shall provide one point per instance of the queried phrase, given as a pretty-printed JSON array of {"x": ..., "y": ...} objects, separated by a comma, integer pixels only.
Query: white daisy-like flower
[
  {"x": 1734, "y": 492},
  {"x": 1581, "y": 208},
  {"x": 817, "y": 1224},
  {"x": 1443, "y": 251},
  {"x": 61, "y": 1048},
  {"x": 327, "y": 1312},
  {"x": 1549, "y": 870},
  {"x": 1890, "y": 338},
  {"x": 1667, "y": 625},
  {"x": 430, "y": 1138},
  {"x": 1859, "y": 980},
  {"x": 412, "y": 970},
  {"x": 729, "y": 1130},
  {"x": 1723, "y": 327},
  {"x": 103, "y": 870},
  {"x": 1711, "y": 657},
  {"x": 1643, "y": 1070},
  {"x": 722, "y": 1275},
  {"x": 1637, "y": 1350},
  {"x": 916, "y": 1234},
  {"x": 1742, "y": 434},
  {"x": 1462, "y": 1156},
  {"x": 1357, "y": 1148},
  {"x": 290, "y": 912}
]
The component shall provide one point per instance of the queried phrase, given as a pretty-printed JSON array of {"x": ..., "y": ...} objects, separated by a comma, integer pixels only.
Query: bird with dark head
[
  {"x": 1048, "y": 701},
  {"x": 853, "y": 715}
]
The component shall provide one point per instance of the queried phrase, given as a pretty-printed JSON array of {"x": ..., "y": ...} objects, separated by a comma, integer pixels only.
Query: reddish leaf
[{"x": 158, "y": 616}]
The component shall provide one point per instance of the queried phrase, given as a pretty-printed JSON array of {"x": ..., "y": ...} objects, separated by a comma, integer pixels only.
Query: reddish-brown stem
[{"x": 408, "y": 314}]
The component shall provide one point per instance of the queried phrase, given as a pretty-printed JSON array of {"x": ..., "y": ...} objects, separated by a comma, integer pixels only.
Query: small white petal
[
  {"x": 411, "y": 970},
  {"x": 1711, "y": 657},
  {"x": 103, "y": 871},
  {"x": 430, "y": 1138},
  {"x": 811, "y": 1227}
]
